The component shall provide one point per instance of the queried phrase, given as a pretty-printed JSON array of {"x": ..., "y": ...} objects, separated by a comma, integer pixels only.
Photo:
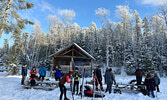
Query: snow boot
[
  {"x": 96, "y": 88},
  {"x": 66, "y": 99},
  {"x": 101, "y": 87}
]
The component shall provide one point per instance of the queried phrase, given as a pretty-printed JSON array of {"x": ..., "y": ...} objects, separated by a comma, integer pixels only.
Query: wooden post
[{"x": 52, "y": 67}]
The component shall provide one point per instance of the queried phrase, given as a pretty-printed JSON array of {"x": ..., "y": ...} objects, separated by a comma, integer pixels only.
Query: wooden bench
[{"x": 45, "y": 85}]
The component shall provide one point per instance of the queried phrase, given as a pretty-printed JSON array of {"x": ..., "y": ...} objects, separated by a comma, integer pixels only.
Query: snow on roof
[
  {"x": 84, "y": 51},
  {"x": 77, "y": 47}
]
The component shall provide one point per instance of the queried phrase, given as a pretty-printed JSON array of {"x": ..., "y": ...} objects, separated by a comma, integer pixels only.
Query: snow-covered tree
[{"x": 9, "y": 17}]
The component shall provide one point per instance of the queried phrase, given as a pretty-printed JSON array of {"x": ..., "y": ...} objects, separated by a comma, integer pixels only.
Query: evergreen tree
[{"x": 10, "y": 19}]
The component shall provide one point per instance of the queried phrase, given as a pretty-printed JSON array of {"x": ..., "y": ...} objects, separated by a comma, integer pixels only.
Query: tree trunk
[{"x": 4, "y": 16}]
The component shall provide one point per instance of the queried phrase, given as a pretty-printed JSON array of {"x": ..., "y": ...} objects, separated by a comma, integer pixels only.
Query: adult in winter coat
[
  {"x": 139, "y": 73},
  {"x": 33, "y": 73},
  {"x": 23, "y": 73},
  {"x": 58, "y": 74},
  {"x": 110, "y": 78},
  {"x": 77, "y": 76},
  {"x": 65, "y": 78},
  {"x": 157, "y": 82},
  {"x": 150, "y": 84},
  {"x": 42, "y": 72},
  {"x": 98, "y": 76}
]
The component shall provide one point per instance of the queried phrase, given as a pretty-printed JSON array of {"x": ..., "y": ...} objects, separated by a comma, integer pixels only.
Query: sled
[
  {"x": 132, "y": 87},
  {"x": 88, "y": 92}
]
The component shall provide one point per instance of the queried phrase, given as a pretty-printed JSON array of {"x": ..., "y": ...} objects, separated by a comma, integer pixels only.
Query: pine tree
[{"x": 9, "y": 12}]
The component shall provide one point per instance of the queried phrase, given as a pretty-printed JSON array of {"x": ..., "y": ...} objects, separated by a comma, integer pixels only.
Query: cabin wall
[{"x": 88, "y": 71}]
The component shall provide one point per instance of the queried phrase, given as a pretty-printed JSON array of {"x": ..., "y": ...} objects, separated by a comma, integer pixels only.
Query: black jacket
[
  {"x": 24, "y": 71},
  {"x": 77, "y": 76},
  {"x": 98, "y": 74}
]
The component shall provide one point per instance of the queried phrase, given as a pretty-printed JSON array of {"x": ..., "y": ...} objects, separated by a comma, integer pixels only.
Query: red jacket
[
  {"x": 64, "y": 79},
  {"x": 33, "y": 74}
]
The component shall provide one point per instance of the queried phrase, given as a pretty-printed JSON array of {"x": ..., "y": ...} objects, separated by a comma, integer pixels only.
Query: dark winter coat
[
  {"x": 77, "y": 75},
  {"x": 150, "y": 85},
  {"x": 58, "y": 73},
  {"x": 156, "y": 80},
  {"x": 109, "y": 77},
  {"x": 24, "y": 71},
  {"x": 139, "y": 73},
  {"x": 42, "y": 71},
  {"x": 98, "y": 74}
]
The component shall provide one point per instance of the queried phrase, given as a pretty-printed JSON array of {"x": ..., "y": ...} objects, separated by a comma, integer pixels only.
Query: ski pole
[
  {"x": 83, "y": 81},
  {"x": 93, "y": 85},
  {"x": 99, "y": 87},
  {"x": 72, "y": 87}
]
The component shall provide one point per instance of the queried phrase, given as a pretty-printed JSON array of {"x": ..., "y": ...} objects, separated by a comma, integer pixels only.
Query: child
[
  {"x": 157, "y": 82},
  {"x": 77, "y": 76},
  {"x": 65, "y": 78},
  {"x": 58, "y": 74},
  {"x": 33, "y": 73},
  {"x": 42, "y": 72},
  {"x": 150, "y": 85}
]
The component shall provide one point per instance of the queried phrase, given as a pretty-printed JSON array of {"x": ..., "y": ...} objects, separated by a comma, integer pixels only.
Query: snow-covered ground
[{"x": 10, "y": 89}]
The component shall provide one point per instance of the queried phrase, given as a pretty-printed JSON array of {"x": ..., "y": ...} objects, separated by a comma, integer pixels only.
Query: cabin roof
[{"x": 68, "y": 47}]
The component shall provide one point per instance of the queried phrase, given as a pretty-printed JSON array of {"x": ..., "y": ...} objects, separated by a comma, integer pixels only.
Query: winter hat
[{"x": 25, "y": 63}]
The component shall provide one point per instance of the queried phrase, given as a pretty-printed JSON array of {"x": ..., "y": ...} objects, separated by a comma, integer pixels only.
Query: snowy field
[{"x": 10, "y": 89}]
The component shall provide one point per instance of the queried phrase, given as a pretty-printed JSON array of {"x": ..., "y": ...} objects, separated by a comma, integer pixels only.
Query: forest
[{"x": 130, "y": 42}]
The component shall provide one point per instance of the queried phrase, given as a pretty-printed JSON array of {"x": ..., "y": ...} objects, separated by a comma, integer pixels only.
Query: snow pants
[
  {"x": 57, "y": 78},
  {"x": 109, "y": 87},
  {"x": 63, "y": 91},
  {"x": 157, "y": 88},
  {"x": 99, "y": 83},
  {"x": 42, "y": 77},
  {"x": 152, "y": 92},
  {"x": 22, "y": 80},
  {"x": 76, "y": 84},
  {"x": 138, "y": 79}
]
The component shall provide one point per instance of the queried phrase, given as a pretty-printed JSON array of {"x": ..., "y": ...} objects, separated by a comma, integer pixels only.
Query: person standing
[
  {"x": 33, "y": 73},
  {"x": 98, "y": 76},
  {"x": 77, "y": 76},
  {"x": 139, "y": 73},
  {"x": 110, "y": 78},
  {"x": 58, "y": 74},
  {"x": 65, "y": 78},
  {"x": 42, "y": 72},
  {"x": 157, "y": 82},
  {"x": 150, "y": 84},
  {"x": 23, "y": 73}
]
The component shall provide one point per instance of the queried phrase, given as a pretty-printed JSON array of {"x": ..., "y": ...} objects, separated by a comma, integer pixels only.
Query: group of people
[
  {"x": 67, "y": 78},
  {"x": 151, "y": 82},
  {"x": 109, "y": 79},
  {"x": 33, "y": 74},
  {"x": 108, "y": 76}
]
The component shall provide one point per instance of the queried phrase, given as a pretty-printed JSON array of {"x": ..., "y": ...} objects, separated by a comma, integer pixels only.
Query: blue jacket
[
  {"x": 58, "y": 73},
  {"x": 42, "y": 71},
  {"x": 24, "y": 71}
]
